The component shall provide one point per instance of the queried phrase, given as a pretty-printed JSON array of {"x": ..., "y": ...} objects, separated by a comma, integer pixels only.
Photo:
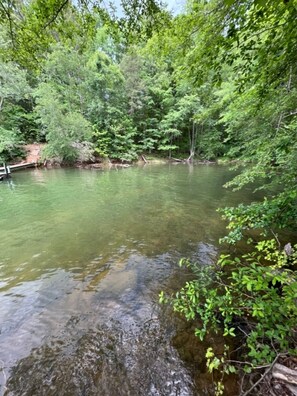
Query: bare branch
[{"x": 263, "y": 376}]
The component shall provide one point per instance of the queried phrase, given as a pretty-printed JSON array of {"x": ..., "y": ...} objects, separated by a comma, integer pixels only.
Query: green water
[{"x": 83, "y": 257}]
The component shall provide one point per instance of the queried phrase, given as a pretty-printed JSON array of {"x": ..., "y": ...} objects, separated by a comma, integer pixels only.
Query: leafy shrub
[
  {"x": 10, "y": 145},
  {"x": 253, "y": 297}
]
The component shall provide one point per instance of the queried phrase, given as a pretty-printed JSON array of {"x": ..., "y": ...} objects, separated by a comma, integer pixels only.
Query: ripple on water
[
  {"x": 105, "y": 361},
  {"x": 110, "y": 343},
  {"x": 82, "y": 264}
]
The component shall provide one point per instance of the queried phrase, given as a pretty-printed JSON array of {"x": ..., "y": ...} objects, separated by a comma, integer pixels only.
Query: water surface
[{"x": 83, "y": 257}]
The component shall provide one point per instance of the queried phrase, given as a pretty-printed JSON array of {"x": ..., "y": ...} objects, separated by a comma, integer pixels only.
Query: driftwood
[
  {"x": 292, "y": 389},
  {"x": 287, "y": 376},
  {"x": 284, "y": 373},
  {"x": 143, "y": 159},
  {"x": 177, "y": 160}
]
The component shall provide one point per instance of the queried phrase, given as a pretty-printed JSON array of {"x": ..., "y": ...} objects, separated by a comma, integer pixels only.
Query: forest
[{"x": 217, "y": 81}]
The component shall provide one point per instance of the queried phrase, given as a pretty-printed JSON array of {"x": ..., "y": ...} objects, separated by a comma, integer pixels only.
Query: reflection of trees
[{"x": 66, "y": 218}]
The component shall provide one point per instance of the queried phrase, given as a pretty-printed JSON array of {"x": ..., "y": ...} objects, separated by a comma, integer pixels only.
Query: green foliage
[
  {"x": 118, "y": 143},
  {"x": 15, "y": 94},
  {"x": 279, "y": 212},
  {"x": 14, "y": 84},
  {"x": 141, "y": 19},
  {"x": 253, "y": 297},
  {"x": 103, "y": 141},
  {"x": 14, "y": 90},
  {"x": 10, "y": 145},
  {"x": 166, "y": 87},
  {"x": 219, "y": 79},
  {"x": 63, "y": 128},
  {"x": 32, "y": 27}
]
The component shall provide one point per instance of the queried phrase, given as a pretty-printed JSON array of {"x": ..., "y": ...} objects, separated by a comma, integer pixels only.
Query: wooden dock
[
  {"x": 19, "y": 166},
  {"x": 6, "y": 170}
]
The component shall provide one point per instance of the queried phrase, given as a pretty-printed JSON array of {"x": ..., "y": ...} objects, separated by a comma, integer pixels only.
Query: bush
[
  {"x": 253, "y": 298},
  {"x": 10, "y": 145}
]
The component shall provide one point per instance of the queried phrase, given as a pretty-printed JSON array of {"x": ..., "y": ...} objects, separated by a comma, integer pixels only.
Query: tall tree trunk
[{"x": 192, "y": 142}]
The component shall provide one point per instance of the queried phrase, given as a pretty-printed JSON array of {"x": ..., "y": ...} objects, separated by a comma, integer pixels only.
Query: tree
[
  {"x": 14, "y": 88},
  {"x": 150, "y": 96},
  {"x": 62, "y": 101},
  {"x": 33, "y": 27},
  {"x": 14, "y": 85},
  {"x": 244, "y": 50},
  {"x": 63, "y": 128}
]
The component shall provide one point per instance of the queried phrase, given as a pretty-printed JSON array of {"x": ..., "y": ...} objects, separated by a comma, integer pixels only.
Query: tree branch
[
  {"x": 263, "y": 376},
  {"x": 55, "y": 16},
  {"x": 7, "y": 12}
]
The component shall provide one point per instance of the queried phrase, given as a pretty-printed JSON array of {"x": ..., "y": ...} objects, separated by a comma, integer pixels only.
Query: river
[{"x": 83, "y": 257}]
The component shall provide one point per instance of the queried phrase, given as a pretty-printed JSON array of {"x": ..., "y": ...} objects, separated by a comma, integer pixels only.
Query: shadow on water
[{"x": 81, "y": 267}]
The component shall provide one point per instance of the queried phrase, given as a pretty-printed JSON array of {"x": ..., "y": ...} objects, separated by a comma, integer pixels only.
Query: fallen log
[
  {"x": 284, "y": 373},
  {"x": 178, "y": 160},
  {"x": 287, "y": 375}
]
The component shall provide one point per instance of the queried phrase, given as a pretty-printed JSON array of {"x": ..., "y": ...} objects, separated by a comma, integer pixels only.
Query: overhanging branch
[{"x": 55, "y": 16}]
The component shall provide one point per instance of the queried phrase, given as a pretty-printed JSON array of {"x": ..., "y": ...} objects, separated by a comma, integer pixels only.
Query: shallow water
[{"x": 83, "y": 257}]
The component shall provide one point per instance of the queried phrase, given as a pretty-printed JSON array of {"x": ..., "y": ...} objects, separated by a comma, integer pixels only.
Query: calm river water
[{"x": 83, "y": 257}]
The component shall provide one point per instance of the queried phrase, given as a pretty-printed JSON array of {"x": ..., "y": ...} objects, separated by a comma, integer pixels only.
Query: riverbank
[{"x": 34, "y": 155}]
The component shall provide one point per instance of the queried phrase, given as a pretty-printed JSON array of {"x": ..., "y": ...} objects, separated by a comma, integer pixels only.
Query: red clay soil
[{"x": 33, "y": 152}]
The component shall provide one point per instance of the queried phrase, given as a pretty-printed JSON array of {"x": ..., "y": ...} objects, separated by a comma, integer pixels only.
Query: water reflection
[{"x": 83, "y": 257}]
